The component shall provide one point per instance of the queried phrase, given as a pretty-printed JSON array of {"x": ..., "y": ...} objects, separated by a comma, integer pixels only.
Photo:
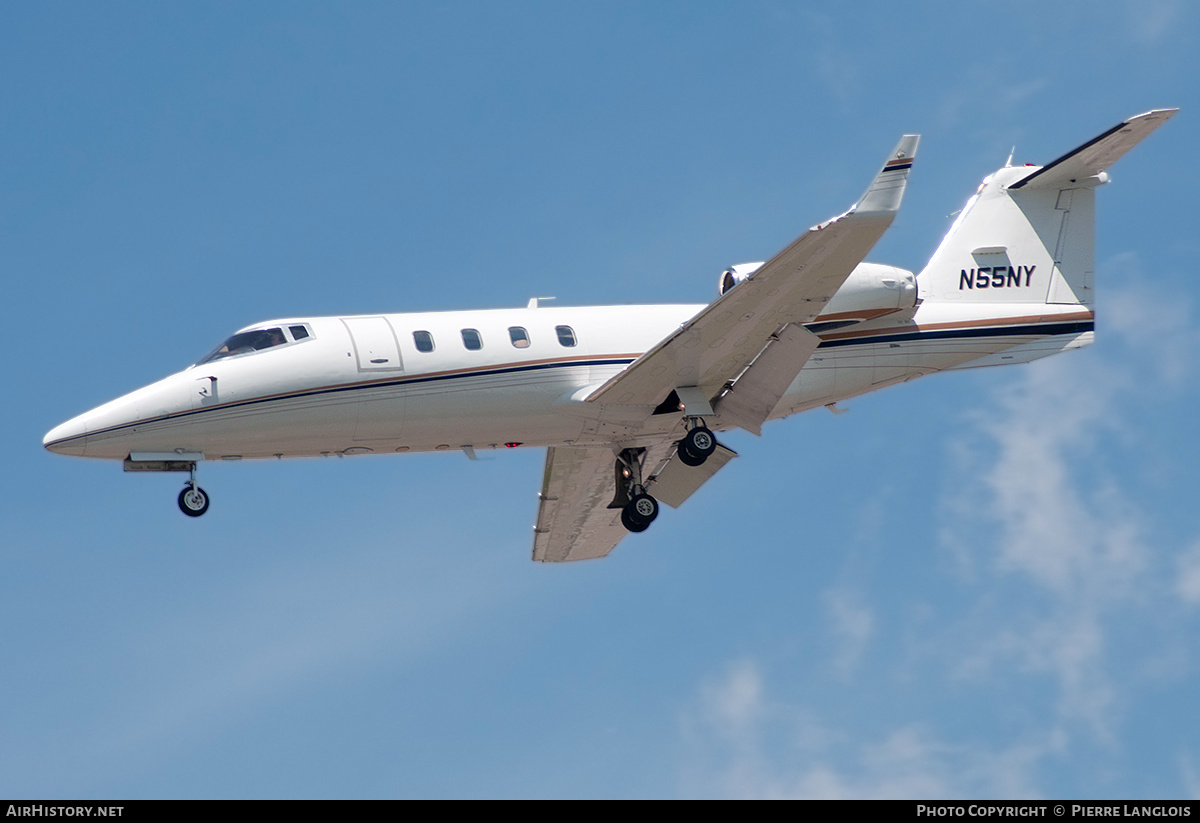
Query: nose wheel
[{"x": 193, "y": 500}]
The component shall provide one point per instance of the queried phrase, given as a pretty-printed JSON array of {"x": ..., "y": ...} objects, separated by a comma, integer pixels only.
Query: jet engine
[
  {"x": 736, "y": 274},
  {"x": 871, "y": 290}
]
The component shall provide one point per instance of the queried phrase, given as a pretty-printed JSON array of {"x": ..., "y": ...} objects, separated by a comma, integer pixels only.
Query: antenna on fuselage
[{"x": 533, "y": 301}]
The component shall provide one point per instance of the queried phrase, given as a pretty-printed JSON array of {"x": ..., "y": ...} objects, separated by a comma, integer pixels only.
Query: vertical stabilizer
[{"x": 1027, "y": 234}]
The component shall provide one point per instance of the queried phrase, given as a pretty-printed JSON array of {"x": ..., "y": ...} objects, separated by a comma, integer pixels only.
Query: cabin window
[
  {"x": 423, "y": 341},
  {"x": 298, "y": 332},
  {"x": 247, "y": 342},
  {"x": 566, "y": 336},
  {"x": 472, "y": 340},
  {"x": 519, "y": 337}
]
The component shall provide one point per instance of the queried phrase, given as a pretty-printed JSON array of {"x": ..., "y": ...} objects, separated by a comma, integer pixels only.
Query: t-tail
[{"x": 1026, "y": 236}]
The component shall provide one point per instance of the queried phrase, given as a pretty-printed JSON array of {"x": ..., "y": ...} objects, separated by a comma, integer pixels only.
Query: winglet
[
  {"x": 886, "y": 191},
  {"x": 1097, "y": 154}
]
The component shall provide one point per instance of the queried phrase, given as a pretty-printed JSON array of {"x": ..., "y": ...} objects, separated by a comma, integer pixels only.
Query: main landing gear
[
  {"x": 638, "y": 509},
  {"x": 697, "y": 445},
  {"x": 639, "y": 513},
  {"x": 193, "y": 500}
]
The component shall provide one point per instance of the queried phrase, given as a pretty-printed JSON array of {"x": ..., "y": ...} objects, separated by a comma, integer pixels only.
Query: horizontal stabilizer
[{"x": 1097, "y": 154}]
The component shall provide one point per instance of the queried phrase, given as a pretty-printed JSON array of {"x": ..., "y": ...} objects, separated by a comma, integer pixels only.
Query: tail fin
[{"x": 1026, "y": 236}]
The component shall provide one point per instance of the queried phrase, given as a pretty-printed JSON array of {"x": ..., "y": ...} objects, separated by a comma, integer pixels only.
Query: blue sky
[{"x": 975, "y": 585}]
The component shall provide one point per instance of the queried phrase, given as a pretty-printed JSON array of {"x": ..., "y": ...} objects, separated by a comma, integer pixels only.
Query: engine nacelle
[
  {"x": 736, "y": 274},
  {"x": 871, "y": 290}
]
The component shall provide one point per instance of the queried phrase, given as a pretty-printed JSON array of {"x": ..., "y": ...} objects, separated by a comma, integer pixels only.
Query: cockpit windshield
[{"x": 246, "y": 342}]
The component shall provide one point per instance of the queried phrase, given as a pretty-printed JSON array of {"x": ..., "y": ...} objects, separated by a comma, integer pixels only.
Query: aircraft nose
[{"x": 68, "y": 438}]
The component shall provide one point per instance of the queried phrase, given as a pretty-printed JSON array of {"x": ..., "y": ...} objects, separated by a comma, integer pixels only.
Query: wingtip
[
  {"x": 1153, "y": 118},
  {"x": 887, "y": 190},
  {"x": 908, "y": 143}
]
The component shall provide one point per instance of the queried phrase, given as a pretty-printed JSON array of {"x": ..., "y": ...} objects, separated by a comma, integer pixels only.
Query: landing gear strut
[
  {"x": 193, "y": 500},
  {"x": 638, "y": 509},
  {"x": 697, "y": 445}
]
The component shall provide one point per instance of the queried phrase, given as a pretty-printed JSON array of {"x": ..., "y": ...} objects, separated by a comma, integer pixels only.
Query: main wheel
[
  {"x": 700, "y": 443},
  {"x": 193, "y": 501},
  {"x": 686, "y": 457},
  {"x": 630, "y": 525},
  {"x": 639, "y": 512}
]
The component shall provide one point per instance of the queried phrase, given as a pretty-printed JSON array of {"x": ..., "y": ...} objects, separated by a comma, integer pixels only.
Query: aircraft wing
[
  {"x": 1097, "y": 154},
  {"x": 574, "y": 521},
  {"x": 711, "y": 350}
]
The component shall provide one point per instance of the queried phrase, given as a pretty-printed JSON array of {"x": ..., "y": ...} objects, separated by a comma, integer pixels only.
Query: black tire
[
  {"x": 686, "y": 457},
  {"x": 700, "y": 442},
  {"x": 640, "y": 511},
  {"x": 193, "y": 501},
  {"x": 630, "y": 525}
]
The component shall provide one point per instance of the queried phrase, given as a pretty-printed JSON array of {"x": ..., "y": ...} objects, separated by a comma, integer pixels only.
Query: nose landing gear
[{"x": 193, "y": 500}]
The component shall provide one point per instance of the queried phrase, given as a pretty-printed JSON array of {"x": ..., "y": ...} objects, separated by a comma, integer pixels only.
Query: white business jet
[{"x": 627, "y": 400}]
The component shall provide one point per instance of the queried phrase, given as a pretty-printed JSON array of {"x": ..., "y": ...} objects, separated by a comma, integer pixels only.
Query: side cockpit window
[{"x": 248, "y": 342}]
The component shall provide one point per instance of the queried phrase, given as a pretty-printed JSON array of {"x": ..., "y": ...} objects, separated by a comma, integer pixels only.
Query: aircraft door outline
[{"x": 375, "y": 343}]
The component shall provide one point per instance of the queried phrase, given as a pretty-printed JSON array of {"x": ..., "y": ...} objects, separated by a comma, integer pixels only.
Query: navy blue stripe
[
  {"x": 1033, "y": 329},
  {"x": 898, "y": 167}
]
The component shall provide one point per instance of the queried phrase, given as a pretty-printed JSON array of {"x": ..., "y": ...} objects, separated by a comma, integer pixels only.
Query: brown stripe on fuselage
[
  {"x": 868, "y": 314},
  {"x": 964, "y": 324}
]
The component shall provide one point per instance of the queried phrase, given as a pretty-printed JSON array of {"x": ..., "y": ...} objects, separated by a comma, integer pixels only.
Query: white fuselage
[{"x": 360, "y": 385}]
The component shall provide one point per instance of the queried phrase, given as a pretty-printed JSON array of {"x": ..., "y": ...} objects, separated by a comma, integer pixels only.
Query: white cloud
[
  {"x": 765, "y": 748},
  {"x": 1161, "y": 330},
  {"x": 736, "y": 700},
  {"x": 1190, "y": 776},
  {"x": 1150, "y": 21},
  {"x": 1056, "y": 515},
  {"x": 1066, "y": 532},
  {"x": 1187, "y": 584},
  {"x": 991, "y": 81},
  {"x": 852, "y": 625},
  {"x": 835, "y": 64}
]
